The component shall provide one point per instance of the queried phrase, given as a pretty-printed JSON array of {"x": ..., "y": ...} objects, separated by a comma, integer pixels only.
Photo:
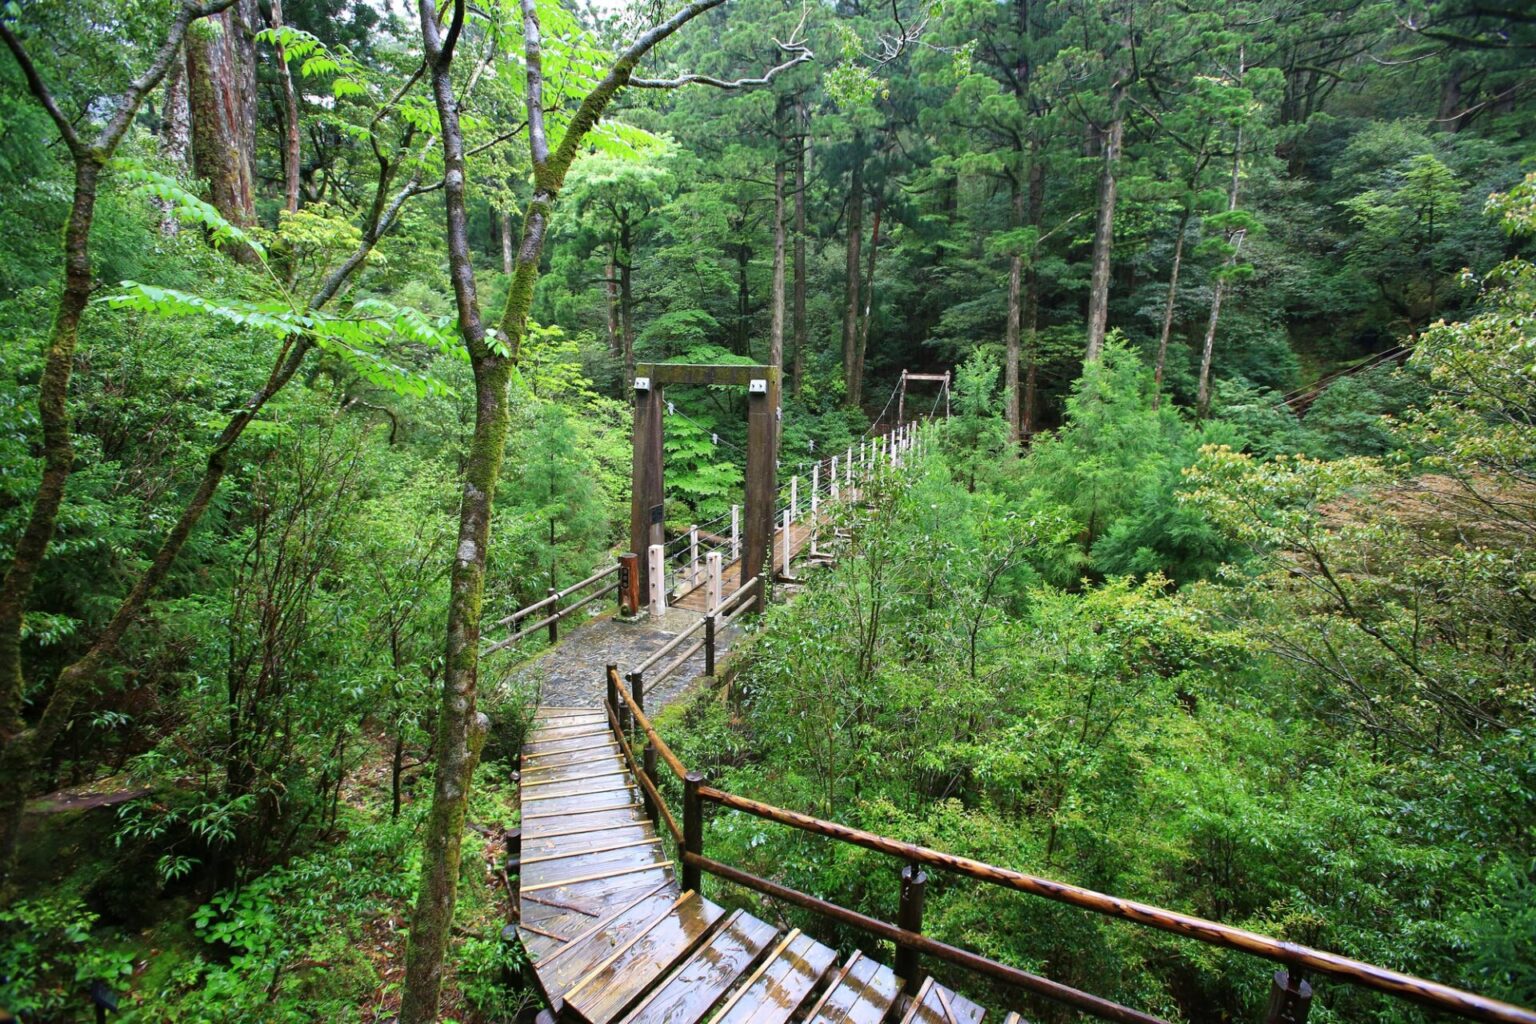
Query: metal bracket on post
[
  {"x": 657, "y": 563},
  {"x": 1290, "y": 997},
  {"x": 909, "y": 917}
]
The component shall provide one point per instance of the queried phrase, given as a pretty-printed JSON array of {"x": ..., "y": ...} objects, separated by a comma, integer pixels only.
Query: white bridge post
[
  {"x": 713, "y": 570},
  {"x": 658, "y": 566},
  {"x": 794, "y": 498},
  {"x": 834, "y": 478},
  {"x": 786, "y": 543},
  {"x": 735, "y": 532},
  {"x": 693, "y": 555}
]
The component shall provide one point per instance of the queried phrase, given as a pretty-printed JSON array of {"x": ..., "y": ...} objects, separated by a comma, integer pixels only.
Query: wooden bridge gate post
[{"x": 647, "y": 511}]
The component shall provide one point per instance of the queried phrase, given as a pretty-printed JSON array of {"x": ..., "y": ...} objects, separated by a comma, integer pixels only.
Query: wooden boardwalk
[{"x": 612, "y": 937}]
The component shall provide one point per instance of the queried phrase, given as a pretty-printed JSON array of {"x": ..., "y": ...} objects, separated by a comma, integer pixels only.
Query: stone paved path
[{"x": 572, "y": 673}]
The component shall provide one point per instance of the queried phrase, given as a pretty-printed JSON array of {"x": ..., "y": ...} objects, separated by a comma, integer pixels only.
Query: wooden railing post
[
  {"x": 709, "y": 645},
  {"x": 629, "y": 583},
  {"x": 909, "y": 917},
  {"x": 620, "y": 709},
  {"x": 693, "y": 830},
  {"x": 1290, "y": 997},
  {"x": 714, "y": 573},
  {"x": 554, "y": 616}
]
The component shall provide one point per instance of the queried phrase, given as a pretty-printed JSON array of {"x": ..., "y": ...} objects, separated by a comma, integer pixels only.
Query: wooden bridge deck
[
  {"x": 697, "y": 598},
  {"x": 612, "y": 937}
]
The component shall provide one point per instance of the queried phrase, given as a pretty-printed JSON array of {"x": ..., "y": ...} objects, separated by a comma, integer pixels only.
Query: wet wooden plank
[
  {"x": 581, "y": 911},
  {"x": 605, "y": 993},
  {"x": 592, "y": 768},
  {"x": 597, "y": 873},
  {"x": 567, "y": 803},
  {"x": 576, "y": 735},
  {"x": 587, "y": 951},
  {"x": 568, "y": 758},
  {"x": 557, "y": 840},
  {"x": 542, "y": 819},
  {"x": 585, "y": 739},
  {"x": 777, "y": 988},
  {"x": 688, "y": 993},
  {"x": 572, "y": 729},
  {"x": 862, "y": 994},
  {"x": 592, "y": 865},
  {"x": 553, "y": 824},
  {"x": 935, "y": 1004},
  {"x": 609, "y": 783},
  {"x": 588, "y": 849}
]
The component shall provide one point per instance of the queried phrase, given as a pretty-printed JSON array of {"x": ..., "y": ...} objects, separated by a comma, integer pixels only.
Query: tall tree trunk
[
  {"x": 797, "y": 319},
  {"x": 627, "y": 299},
  {"x": 1173, "y": 292},
  {"x": 1011, "y": 333},
  {"x": 461, "y": 728},
  {"x": 291, "y": 152},
  {"x": 1032, "y": 292},
  {"x": 855, "y": 265},
  {"x": 1235, "y": 244},
  {"x": 776, "y": 319},
  {"x": 221, "y": 76},
  {"x": 611, "y": 301},
  {"x": 175, "y": 137},
  {"x": 1104, "y": 230},
  {"x": 743, "y": 301},
  {"x": 869, "y": 306},
  {"x": 506, "y": 242}
]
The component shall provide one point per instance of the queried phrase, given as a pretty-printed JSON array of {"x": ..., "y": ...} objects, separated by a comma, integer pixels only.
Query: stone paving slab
[{"x": 573, "y": 672}]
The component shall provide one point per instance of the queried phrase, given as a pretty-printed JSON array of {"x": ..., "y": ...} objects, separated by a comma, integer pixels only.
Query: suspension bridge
[{"x": 610, "y": 858}]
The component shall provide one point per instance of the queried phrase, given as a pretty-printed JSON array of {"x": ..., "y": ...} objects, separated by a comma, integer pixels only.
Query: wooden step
[
  {"x": 606, "y": 992},
  {"x": 774, "y": 991},
  {"x": 862, "y": 993},
  {"x": 935, "y": 1004},
  {"x": 597, "y": 748},
  {"x": 581, "y": 956},
  {"x": 693, "y": 988}
]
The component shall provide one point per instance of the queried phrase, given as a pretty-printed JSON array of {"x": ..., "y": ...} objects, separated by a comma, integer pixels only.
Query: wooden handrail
[
  {"x": 557, "y": 596},
  {"x": 670, "y": 646},
  {"x": 645, "y": 724},
  {"x": 1381, "y": 979},
  {"x": 1085, "y": 1001},
  {"x": 645, "y": 780}
]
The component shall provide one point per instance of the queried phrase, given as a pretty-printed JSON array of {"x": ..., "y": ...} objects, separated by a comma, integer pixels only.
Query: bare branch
[{"x": 801, "y": 55}]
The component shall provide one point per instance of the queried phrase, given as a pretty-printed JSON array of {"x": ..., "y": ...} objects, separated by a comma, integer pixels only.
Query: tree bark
[
  {"x": 1235, "y": 243},
  {"x": 175, "y": 137},
  {"x": 869, "y": 305},
  {"x": 461, "y": 729},
  {"x": 611, "y": 301},
  {"x": 798, "y": 317},
  {"x": 1173, "y": 292},
  {"x": 506, "y": 242},
  {"x": 291, "y": 151},
  {"x": 1015, "y": 312},
  {"x": 855, "y": 265},
  {"x": 627, "y": 297},
  {"x": 1104, "y": 230},
  {"x": 776, "y": 319},
  {"x": 221, "y": 77},
  {"x": 1032, "y": 293}
]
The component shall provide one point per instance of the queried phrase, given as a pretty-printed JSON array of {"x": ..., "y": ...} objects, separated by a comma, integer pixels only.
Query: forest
[{"x": 1215, "y": 587}]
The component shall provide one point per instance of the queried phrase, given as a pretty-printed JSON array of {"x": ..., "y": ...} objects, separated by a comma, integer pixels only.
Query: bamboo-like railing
[
  {"x": 1290, "y": 997},
  {"x": 561, "y": 611}
]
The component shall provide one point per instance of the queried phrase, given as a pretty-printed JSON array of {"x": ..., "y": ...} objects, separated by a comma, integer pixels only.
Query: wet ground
[{"x": 573, "y": 672}]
